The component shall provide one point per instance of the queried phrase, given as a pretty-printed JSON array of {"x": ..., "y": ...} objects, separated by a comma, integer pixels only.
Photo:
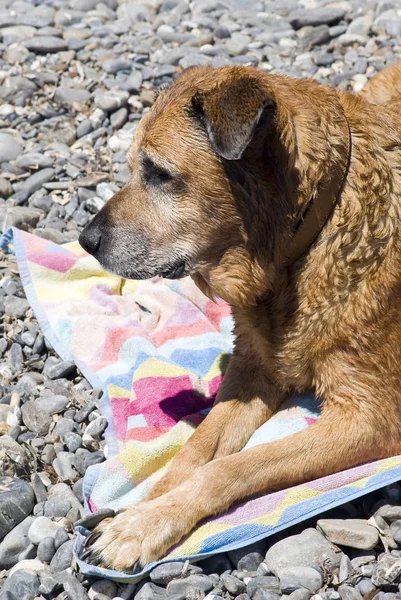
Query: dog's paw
[{"x": 136, "y": 536}]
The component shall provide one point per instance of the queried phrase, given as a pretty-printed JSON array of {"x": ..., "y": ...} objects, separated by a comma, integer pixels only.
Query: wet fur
[{"x": 331, "y": 322}]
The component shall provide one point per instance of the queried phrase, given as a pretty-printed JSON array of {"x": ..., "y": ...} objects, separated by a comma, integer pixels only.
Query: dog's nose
[{"x": 90, "y": 238}]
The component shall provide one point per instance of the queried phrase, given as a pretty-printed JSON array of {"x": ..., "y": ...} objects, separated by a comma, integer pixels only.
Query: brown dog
[{"x": 282, "y": 197}]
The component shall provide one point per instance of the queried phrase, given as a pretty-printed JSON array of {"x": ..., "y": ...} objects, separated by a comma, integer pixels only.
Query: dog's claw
[
  {"x": 136, "y": 568},
  {"x": 90, "y": 521},
  {"x": 92, "y": 537}
]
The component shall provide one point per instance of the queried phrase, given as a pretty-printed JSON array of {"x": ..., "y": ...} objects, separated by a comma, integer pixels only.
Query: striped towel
[{"x": 158, "y": 349}]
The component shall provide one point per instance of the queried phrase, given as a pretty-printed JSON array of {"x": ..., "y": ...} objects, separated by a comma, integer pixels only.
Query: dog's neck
[{"x": 316, "y": 213}]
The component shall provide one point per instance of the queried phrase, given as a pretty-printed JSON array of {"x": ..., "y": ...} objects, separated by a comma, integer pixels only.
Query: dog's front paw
[{"x": 136, "y": 536}]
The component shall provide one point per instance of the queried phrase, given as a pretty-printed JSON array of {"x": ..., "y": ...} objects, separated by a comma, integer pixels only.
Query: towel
[{"x": 159, "y": 349}]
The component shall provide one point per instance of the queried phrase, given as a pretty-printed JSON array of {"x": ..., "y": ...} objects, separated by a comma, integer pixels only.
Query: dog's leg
[
  {"x": 228, "y": 426},
  {"x": 353, "y": 429}
]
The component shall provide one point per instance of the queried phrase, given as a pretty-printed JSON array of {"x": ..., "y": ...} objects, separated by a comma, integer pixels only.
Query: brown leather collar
[{"x": 319, "y": 208}]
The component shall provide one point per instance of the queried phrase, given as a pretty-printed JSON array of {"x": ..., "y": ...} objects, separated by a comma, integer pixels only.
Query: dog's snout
[{"x": 90, "y": 238}]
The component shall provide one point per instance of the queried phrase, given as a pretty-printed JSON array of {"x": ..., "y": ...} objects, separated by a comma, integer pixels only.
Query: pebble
[
  {"x": 15, "y": 543},
  {"x": 180, "y": 586},
  {"x": 21, "y": 585},
  {"x": 10, "y": 149},
  {"x": 35, "y": 418},
  {"x": 61, "y": 368},
  {"x": 166, "y": 572},
  {"x": 308, "y": 549},
  {"x": 293, "y": 578},
  {"x": 17, "y": 499},
  {"x": 46, "y": 549},
  {"x": 355, "y": 533},
  {"x": 44, "y": 44},
  {"x": 52, "y": 404},
  {"x": 68, "y": 95},
  {"x": 110, "y": 100},
  {"x": 102, "y": 586},
  {"x": 263, "y": 582},
  {"x": 41, "y": 528},
  {"x": 15, "y": 307},
  {"x": 63, "y": 556}
]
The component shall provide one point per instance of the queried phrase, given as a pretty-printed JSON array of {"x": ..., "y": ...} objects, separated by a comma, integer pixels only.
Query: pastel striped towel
[{"x": 159, "y": 349}]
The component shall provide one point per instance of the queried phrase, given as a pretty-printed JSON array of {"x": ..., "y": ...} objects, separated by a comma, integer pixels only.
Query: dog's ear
[{"x": 230, "y": 112}]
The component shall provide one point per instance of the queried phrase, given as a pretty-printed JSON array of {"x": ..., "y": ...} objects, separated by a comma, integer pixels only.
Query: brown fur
[{"x": 331, "y": 322}]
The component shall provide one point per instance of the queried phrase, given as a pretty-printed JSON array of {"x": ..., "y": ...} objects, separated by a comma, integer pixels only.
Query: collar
[{"x": 320, "y": 207}]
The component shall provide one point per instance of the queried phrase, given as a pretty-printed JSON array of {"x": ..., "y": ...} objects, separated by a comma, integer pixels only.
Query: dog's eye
[{"x": 160, "y": 176}]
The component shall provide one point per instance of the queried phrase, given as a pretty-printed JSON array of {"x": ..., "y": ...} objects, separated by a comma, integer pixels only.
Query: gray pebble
[
  {"x": 46, "y": 549},
  {"x": 35, "y": 418},
  {"x": 63, "y": 557},
  {"x": 10, "y": 149},
  {"x": 46, "y": 44}
]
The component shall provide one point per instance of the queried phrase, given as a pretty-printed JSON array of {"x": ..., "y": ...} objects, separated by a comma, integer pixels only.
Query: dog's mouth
[{"x": 176, "y": 271}]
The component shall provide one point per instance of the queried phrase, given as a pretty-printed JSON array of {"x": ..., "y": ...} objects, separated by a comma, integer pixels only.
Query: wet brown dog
[{"x": 227, "y": 167}]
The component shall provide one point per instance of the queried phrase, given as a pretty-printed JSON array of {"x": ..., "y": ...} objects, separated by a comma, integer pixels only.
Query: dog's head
[{"x": 205, "y": 171}]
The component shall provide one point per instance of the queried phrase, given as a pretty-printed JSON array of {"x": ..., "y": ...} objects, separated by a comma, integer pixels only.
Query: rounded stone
[
  {"x": 10, "y": 149},
  {"x": 17, "y": 500},
  {"x": 42, "y": 528}
]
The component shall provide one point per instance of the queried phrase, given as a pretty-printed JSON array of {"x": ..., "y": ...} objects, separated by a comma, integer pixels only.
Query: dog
[{"x": 282, "y": 197}]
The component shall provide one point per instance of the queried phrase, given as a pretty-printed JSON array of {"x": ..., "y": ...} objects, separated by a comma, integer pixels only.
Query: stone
[
  {"x": 113, "y": 65},
  {"x": 46, "y": 549},
  {"x": 133, "y": 82},
  {"x": 355, "y": 533},
  {"x": 53, "y": 404},
  {"x": 35, "y": 418},
  {"x": 268, "y": 583},
  {"x": 38, "y": 487},
  {"x": 119, "y": 118},
  {"x": 60, "y": 369},
  {"x": 102, "y": 586},
  {"x": 303, "y": 17},
  {"x": 179, "y": 586},
  {"x": 389, "y": 512},
  {"x": 15, "y": 307},
  {"x": 66, "y": 466},
  {"x": 10, "y": 149},
  {"x": 236, "y": 556},
  {"x": 387, "y": 570},
  {"x": 32, "y": 185},
  {"x": 68, "y": 95},
  {"x": 96, "y": 427},
  {"x": 166, "y": 572},
  {"x": 250, "y": 562},
  {"x": 308, "y": 549},
  {"x": 349, "y": 593},
  {"x": 41, "y": 528},
  {"x": 6, "y": 189},
  {"x": 34, "y": 160},
  {"x": 63, "y": 557},
  {"x": 16, "y": 84},
  {"x": 232, "y": 584},
  {"x": 293, "y": 578},
  {"x": 21, "y": 585},
  {"x": 13, "y": 457},
  {"x": 58, "y": 507},
  {"x": 17, "y": 500},
  {"x": 110, "y": 100},
  {"x": 346, "y": 569},
  {"x": 300, "y": 594},
  {"x": 151, "y": 591},
  {"x": 61, "y": 536},
  {"x": 20, "y": 217},
  {"x": 15, "y": 543},
  {"x": 365, "y": 586},
  {"x": 45, "y": 44},
  {"x": 395, "y": 529}
]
